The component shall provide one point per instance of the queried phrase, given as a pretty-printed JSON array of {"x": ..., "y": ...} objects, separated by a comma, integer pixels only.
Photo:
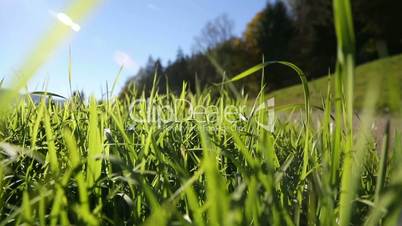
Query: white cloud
[
  {"x": 153, "y": 7},
  {"x": 123, "y": 59},
  {"x": 66, "y": 20}
]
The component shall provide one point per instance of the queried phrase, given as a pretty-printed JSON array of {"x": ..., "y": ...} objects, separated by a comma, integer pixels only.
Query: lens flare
[{"x": 65, "y": 19}]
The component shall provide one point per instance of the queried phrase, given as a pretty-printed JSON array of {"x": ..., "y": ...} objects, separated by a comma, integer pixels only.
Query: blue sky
[{"x": 118, "y": 30}]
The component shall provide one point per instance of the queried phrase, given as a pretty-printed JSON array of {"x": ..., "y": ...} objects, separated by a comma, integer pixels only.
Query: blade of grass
[
  {"x": 51, "y": 156},
  {"x": 94, "y": 145}
]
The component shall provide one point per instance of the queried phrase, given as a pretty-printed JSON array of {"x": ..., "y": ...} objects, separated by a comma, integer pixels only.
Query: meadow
[
  {"x": 204, "y": 158},
  {"x": 388, "y": 69}
]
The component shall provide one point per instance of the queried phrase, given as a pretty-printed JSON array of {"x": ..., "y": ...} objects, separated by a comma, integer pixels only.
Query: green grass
[
  {"x": 93, "y": 164},
  {"x": 389, "y": 70},
  {"x": 121, "y": 162}
]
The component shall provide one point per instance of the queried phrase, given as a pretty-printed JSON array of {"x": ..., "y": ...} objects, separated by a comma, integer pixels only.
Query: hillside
[{"x": 390, "y": 69}]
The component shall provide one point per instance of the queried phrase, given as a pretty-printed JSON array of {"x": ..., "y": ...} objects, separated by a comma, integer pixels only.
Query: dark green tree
[
  {"x": 269, "y": 35},
  {"x": 314, "y": 42},
  {"x": 378, "y": 20}
]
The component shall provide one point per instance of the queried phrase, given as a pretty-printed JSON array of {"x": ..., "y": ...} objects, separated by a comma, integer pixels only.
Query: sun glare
[{"x": 65, "y": 19}]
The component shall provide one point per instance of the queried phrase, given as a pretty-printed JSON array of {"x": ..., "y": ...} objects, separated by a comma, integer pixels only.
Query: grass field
[
  {"x": 389, "y": 70},
  {"x": 116, "y": 163},
  {"x": 206, "y": 159}
]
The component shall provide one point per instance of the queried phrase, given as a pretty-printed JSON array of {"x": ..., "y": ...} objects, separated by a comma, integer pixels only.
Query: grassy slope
[{"x": 387, "y": 68}]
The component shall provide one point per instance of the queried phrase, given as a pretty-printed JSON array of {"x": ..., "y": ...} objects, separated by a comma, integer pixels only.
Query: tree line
[{"x": 299, "y": 31}]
